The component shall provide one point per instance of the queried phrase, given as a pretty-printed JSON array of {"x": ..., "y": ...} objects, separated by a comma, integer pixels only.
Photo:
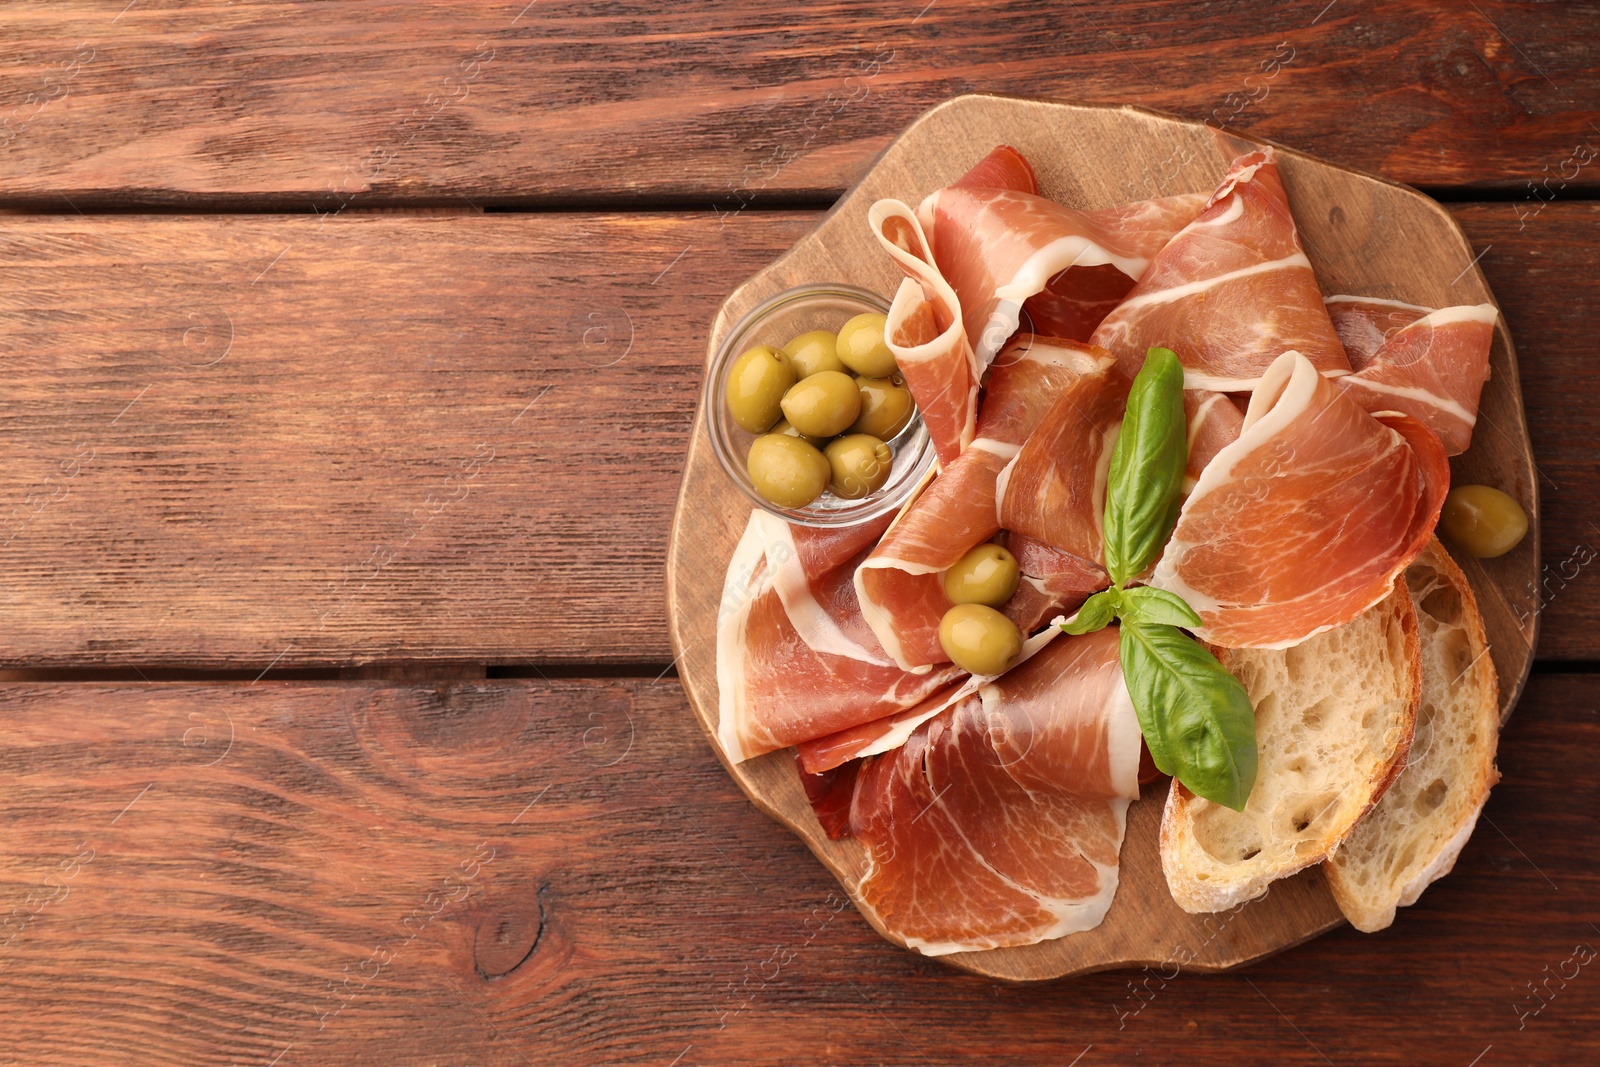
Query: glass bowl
[{"x": 775, "y": 321}]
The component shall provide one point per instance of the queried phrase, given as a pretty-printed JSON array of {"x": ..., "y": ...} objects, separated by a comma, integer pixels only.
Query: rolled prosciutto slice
[
  {"x": 999, "y": 821},
  {"x": 900, "y": 585},
  {"x": 1430, "y": 364},
  {"x": 778, "y": 685},
  {"x": 1002, "y": 245},
  {"x": 1303, "y": 522},
  {"x": 1230, "y": 293},
  {"x": 924, "y": 331}
]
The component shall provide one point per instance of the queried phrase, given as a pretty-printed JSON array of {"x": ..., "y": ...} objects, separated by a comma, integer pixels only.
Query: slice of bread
[
  {"x": 1334, "y": 716},
  {"x": 1413, "y": 836}
]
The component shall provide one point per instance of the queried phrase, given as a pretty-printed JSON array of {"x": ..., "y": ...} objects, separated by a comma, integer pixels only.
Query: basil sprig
[{"x": 1196, "y": 718}]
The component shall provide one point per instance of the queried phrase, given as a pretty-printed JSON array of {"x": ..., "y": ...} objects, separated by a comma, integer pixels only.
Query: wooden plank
[
  {"x": 278, "y": 440},
  {"x": 1532, "y": 259},
  {"x": 508, "y": 873},
  {"x": 213, "y": 103},
  {"x": 305, "y": 495},
  {"x": 1417, "y": 255}
]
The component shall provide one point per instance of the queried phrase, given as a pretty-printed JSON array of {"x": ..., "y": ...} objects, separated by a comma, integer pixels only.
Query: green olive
[
  {"x": 986, "y": 575},
  {"x": 886, "y": 408},
  {"x": 756, "y": 385},
  {"x": 979, "y": 639},
  {"x": 785, "y": 427},
  {"x": 1483, "y": 520},
  {"x": 814, "y": 352},
  {"x": 824, "y": 404},
  {"x": 860, "y": 465},
  {"x": 786, "y": 470},
  {"x": 862, "y": 348}
]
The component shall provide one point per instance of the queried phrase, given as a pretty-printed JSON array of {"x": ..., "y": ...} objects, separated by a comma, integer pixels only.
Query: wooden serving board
[{"x": 1363, "y": 234}]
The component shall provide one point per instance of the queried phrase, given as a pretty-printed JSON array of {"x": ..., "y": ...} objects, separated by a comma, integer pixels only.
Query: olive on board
[
  {"x": 823, "y": 404},
  {"x": 860, "y": 464},
  {"x": 784, "y": 426},
  {"x": 979, "y": 639},
  {"x": 861, "y": 346},
  {"x": 986, "y": 575},
  {"x": 1483, "y": 520},
  {"x": 886, "y": 408},
  {"x": 756, "y": 384},
  {"x": 814, "y": 352},
  {"x": 786, "y": 470}
]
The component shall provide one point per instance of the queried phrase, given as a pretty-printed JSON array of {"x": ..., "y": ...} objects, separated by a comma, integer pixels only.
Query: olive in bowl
[
  {"x": 822, "y": 404},
  {"x": 862, "y": 348},
  {"x": 814, "y": 352},
  {"x": 886, "y": 408},
  {"x": 859, "y": 464},
  {"x": 786, "y": 470},
  {"x": 756, "y": 385},
  {"x": 827, "y": 399}
]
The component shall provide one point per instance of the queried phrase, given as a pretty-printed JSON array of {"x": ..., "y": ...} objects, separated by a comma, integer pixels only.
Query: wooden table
[{"x": 351, "y": 351}]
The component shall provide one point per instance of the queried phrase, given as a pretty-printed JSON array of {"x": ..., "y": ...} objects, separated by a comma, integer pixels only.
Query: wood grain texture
[
  {"x": 370, "y": 438},
  {"x": 233, "y": 504},
  {"x": 292, "y": 891},
  {"x": 275, "y": 507},
  {"x": 1530, "y": 258},
  {"x": 356, "y": 101},
  {"x": 1363, "y": 236}
]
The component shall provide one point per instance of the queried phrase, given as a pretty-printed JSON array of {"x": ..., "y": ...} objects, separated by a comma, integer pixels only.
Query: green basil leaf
[
  {"x": 1156, "y": 606},
  {"x": 1196, "y": 717},
  {"x": 1147, "y": 466},
  {"x": 1096, "y": 612}
]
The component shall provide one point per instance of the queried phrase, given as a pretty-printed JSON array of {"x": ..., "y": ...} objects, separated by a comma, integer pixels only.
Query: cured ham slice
[
  {"x": 830, "y": 793},
  {"x": 1429, "y": 364},
  {"x": 774, "y": 687},
  {"x": 1066, "y": 578},
  {"x": 1003, "y": 168},
  {"x": 1303, "y": 522},
  {"x": 1000, "y": 820},
  {"x": 807, "y": 570},
  {"x": 1365, "y": 323},
  {"x": 1000, "y": 245},
  {"x": 900, "y": 586},
  {"x": 1053, "y": 495},
  {"x": 1075, "y": 301},
  {"x": 823, "y": 754},
  {"x": 1213, "y": 424},
  {"x": 890, "y": 732},
  {"x": 924, "y": 331},
  {"x": 1230, "y": 293},
  {"x": 1053, "y": 582}
]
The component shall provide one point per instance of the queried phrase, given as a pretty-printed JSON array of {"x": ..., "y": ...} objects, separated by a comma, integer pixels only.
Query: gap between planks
[
  {"x": 693, "y": 202},
  {"x": 410, "y": 672}
]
